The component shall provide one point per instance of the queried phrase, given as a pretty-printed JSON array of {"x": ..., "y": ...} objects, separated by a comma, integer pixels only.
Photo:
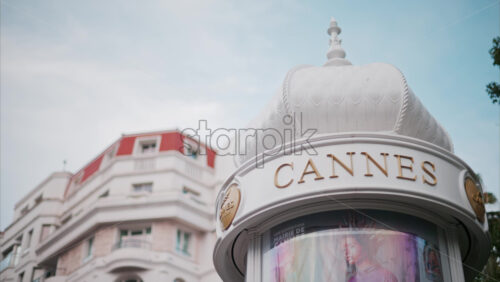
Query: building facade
[{"x": 142, "y": 210}]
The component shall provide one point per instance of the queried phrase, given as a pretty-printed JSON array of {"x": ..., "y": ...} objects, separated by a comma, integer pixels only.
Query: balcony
[
  {"x": 133, "y": 243},
  {"x": 8, "y": 261}
]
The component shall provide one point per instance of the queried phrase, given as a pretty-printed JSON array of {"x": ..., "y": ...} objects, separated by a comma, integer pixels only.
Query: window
[
  {"x": 148, "y": 147},
  {"x": 143, "y": 187},
  {"x": 19, "y": 240},
  {"x": 135, "y": 232},
  {"x": 89, "y": 249},
  {"x": 182, "y": 243},
  {"x": 7, "y": 257},
  {"x": 49, "y": 273},
  {"x": 20, "y": 277},
  {"x": 30, "y": 236},
  {"x": 90, "y": 245},
  {"x": 135, "y": 238},
  {"x": 18, "y": 249},
  {"x": 36, "y": 275},
  {"x": 38, "y": 199},
  {"x": 195, "y": 150},
  {"x": 193, "y": 195},
  {"x": 192, "y": 152},
  {"x": 191, "y": 148},
  {"x": 45, "y": 232},
  {"x": 187, "y": 190}
]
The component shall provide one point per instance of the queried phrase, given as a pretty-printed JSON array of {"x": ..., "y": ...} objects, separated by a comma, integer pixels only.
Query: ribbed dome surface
[
  {"x": 346, "y": 98},
  {"x": 339, "y": 98}
]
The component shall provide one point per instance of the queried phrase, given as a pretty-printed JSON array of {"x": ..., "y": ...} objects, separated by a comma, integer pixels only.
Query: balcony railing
[
  {"x": 133, "y": 243},
  {"x": 8, "y": 261}
]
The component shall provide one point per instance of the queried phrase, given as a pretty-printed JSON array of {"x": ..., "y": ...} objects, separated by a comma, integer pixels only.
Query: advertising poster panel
[{"x": 368, "y": 246}]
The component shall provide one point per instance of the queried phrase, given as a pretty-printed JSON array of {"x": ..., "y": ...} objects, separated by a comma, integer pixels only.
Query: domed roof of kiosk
[{"x": 341, "y": 98}]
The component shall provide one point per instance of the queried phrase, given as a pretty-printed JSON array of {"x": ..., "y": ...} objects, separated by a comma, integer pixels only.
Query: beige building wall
[
  {"x": 163, "y": 236},
  {"x": 70, "y": 260},
  {"x": 104, "y": 241}
]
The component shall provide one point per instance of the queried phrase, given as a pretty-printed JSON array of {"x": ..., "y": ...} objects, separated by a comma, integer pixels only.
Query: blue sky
[{"x": 75, "y": 75}]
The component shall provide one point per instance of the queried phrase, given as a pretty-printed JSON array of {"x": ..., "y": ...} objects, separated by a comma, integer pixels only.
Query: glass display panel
[{"x": 370, "y": 246}]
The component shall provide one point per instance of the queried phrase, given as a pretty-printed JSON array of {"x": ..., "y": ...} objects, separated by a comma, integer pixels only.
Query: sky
[{"x": 75, "y": 75}]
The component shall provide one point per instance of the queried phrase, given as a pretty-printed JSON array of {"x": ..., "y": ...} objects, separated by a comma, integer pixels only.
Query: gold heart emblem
[
  {"x": 475, "y": 197},
  {"x": 229, "y": 206}
]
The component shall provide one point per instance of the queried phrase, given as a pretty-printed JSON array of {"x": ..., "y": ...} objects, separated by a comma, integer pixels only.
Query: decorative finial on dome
[{"x": 335, "y": 55}]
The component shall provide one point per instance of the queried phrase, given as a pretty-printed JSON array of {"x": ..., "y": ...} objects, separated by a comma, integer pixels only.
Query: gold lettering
[
  {"x": 350, "y": 170},
  {"x": 434, "y": 179},
  {"x": 276, "y": 176},
  {"x": 368, "y": 157},
  {"x": 314, "y": 170},
  {"x": 400, "y": 167}
]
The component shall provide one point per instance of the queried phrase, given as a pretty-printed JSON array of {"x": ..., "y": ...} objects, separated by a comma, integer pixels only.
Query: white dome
[{"x": 339, "y": 98}]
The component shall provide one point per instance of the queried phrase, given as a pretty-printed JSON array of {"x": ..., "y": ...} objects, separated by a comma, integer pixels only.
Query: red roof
[{"x": 170, "y": 141}]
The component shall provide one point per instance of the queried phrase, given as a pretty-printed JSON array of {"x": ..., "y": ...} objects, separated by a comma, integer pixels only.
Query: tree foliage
[
  {"x": 493, "y": 88},
  {"x": 489, "y": 198},
  {"x": 491, "y": 271},
  {"x": 494, "y": 221},
  {"x": 495, "y": 51}
]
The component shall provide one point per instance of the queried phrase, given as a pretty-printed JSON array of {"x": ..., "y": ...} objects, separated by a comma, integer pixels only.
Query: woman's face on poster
[{"x": 353, "y": 249}]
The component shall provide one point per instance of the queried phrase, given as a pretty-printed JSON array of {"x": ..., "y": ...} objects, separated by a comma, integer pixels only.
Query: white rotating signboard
[{"x": 392, "y": 168}]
